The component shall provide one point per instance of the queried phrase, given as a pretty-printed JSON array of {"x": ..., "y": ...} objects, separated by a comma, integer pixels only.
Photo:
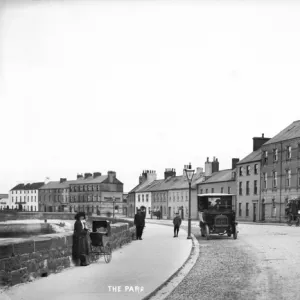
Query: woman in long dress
[{"x": 80, "y": 240}]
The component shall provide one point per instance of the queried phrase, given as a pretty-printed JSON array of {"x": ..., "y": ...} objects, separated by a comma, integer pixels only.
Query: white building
[
  {"x": 25, "y": 196},
  {"x": 3, "y": 201}
]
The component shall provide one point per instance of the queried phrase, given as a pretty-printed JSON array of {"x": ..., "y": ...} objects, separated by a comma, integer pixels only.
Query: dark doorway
[{"x": 254, "y": 212}]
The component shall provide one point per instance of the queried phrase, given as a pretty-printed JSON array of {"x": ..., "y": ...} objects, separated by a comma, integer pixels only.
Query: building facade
[
  {"x": 25, "y": 196},
  {"x": 248, "y": 183},
  {"x": 280, "y": 173},
  {"x": 138, "y": 197},
  {"x": 3, "y": 201},
  {"x": 91, "y": 193}
]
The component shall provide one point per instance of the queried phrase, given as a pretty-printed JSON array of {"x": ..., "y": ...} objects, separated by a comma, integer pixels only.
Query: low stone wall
[
  {"x": 23, "y": 230},
  {"x": 25, "y": 259}
]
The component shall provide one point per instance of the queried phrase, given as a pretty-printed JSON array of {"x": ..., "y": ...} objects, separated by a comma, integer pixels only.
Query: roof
[
  {"x": 290, "y": 132},
  {"x": 28, "y": 186},
  {"x": 171, "y": 183},
  {"x": 3, "y": 196},
  {"x": 221, "y": 176},
  {"x": 66, "y": 184},
  {"x": 253, "y": 156},
  {"x": 214, "y": 195}
]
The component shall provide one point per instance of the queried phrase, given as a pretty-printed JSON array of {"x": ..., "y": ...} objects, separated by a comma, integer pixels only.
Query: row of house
[
  {"x": 92, "y": 193},
  {"x": 262, "y": 183}
]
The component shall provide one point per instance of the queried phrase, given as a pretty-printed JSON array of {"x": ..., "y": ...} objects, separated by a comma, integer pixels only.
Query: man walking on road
[
  {"x": 139, "y": 222},
  {"x": 177, "y": 223}
]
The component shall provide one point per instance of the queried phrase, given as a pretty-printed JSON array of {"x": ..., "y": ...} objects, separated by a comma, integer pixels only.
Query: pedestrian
[
  {"x": 143, "y": 213},
  {"x": 177, "y": 223},
  {"x": 139, "y": 223},
  {"x": 80, "y": 247}
]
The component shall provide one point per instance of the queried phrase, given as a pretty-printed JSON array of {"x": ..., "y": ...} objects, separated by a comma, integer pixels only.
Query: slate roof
[
  {"x": 253, "y": 156},
  {"x": 221, "y": 176},
  {"x": 290, "y": 132},
  {"x": 171, "y": 183},
  {"x": 3, "y": 196},
  {"x": 29, "y": 186},
  {"x": 66, "y": 184}
]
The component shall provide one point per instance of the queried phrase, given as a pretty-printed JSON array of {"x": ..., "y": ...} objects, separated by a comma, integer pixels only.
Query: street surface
[
  {"x": 136, "y": 270},
  {"x": 262, "y": 264}
]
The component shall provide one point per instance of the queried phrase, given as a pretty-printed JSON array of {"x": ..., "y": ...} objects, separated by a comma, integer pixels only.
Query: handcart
[{"x": 100, "y": 238}]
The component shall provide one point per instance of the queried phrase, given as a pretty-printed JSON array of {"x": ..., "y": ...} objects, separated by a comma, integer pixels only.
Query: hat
[{"x": 80, "y": 214}]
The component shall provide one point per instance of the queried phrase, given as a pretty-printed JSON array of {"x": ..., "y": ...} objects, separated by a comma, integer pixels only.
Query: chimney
[
  {"x": 208, "y": 167},
  {"x": 62, "y": 180},
  {"x": 79, "y": 176},
  {"x": 215, "y": 165},
  {"x": 199, "y": 170},
  {"x": 170, "y": 173},
  {"x": 234, "y": 162},
  {"x": 259, "y": 141},
  {"x": 148, "y": 175},
  {"x": 87, "y": 175},
  {"x": 111, "y": 176},
  {"x": 96, "y": 174}
]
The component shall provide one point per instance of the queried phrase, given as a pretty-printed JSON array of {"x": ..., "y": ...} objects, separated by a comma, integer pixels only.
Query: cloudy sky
[{"x": 90, "y": 86}]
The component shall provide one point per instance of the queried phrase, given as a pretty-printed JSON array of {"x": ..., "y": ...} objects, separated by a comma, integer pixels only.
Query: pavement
[{"x": 135, "y": 271}]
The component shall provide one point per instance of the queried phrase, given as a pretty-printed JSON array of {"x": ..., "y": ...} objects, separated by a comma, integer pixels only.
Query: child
[{"x": 177, "y": 223}]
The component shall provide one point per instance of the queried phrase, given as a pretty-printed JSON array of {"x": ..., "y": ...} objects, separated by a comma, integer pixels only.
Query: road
[{"x": 262, "y": 264}]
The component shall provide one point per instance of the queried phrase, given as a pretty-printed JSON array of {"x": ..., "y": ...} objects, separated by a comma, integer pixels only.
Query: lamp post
[{"x": 189, "y": 175}]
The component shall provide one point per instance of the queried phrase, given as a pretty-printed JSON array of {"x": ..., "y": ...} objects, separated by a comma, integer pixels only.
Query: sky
[{"x": 93, "y": 86}]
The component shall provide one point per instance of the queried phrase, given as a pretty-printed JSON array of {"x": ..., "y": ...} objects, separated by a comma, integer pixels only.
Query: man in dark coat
[
  {"x": 80, "y": 247},
  {"x": 139, "y": 222}
]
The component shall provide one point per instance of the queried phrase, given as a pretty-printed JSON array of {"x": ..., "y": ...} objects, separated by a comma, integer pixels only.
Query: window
[
  {"x": 247, "y": 188},
  {"x": 212, "y": 190},
  {"x": 274, "y": 179},
  {"x": 201, "y": 191},
  {"x": 256, "y": 169},
  {"x": 288, "y": 178},
  {"x": 139, "y": 198},
  {"x": 248, "y": 170},
  {"x": 273, "y": 213},
  {"x": 240, "y": 209},
  {"x": 206, "y": 191},
  {"x": 143, "y": 198},
  {"x": 288, "y": 152},
  {"x": 240, "y": 188},
  {"x": 298, "y": 177},
  {"x": 147, "y": 197},
  {"x": 265, "y": 180},
  {"x": 275, "y": 155},
  {"x": 265, "y": 158},
  {"x": 229, "y": 190},
  {"x": 241, "y": 171},
  {"x": 255, "y": 187},
  {"x": 222, "y": 190},
  {"x": 247, "y": 209}
]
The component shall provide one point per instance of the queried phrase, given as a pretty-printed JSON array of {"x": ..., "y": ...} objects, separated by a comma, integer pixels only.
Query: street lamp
[{"x": 189, "y": 175}]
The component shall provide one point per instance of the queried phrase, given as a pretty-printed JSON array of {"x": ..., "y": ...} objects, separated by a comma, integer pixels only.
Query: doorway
[
  {"x": 254, "y": 212},
  {"x": 263, "y": 210}
]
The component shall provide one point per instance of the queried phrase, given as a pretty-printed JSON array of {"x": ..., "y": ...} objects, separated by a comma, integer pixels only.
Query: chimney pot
[{"x": 263, "y": 135}]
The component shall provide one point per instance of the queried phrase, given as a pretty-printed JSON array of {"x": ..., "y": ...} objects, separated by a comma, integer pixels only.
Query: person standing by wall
[
  {"x": 139, "y": 223},
  {"x": 80, "y": 249},
  {"x": 177, "y": 223}
]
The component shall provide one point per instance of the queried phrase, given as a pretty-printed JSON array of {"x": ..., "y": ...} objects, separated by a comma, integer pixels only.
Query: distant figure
[
  {"x": 177, "y": 223},
  {"x": 139, "y": 222},
  {"x": 80, "y": 242}
]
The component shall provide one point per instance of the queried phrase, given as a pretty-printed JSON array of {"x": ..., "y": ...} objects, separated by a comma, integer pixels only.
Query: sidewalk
[{"x": 145, "y": 264}]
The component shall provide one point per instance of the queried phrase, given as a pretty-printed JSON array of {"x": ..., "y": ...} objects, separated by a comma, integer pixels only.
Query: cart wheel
[
  {"x": 207, "y": 232},
  {"x": 107, "y": 253}
]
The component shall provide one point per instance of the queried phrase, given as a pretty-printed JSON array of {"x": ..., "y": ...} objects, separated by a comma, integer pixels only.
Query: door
[
  {"x": 263, "y": 210},
  {"x": 254, "y": 212},
  {"x": 169, "y": 213}
]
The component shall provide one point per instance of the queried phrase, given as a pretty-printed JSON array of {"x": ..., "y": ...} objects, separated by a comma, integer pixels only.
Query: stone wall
[
  {"x": 23, "y": 260},
  {"x": 21, "y": 230}
]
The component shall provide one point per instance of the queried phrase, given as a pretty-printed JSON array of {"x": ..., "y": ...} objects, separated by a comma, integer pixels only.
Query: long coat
[
  {"x": 139, "y": 220},
  {"x": 80, "y": 240}
]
